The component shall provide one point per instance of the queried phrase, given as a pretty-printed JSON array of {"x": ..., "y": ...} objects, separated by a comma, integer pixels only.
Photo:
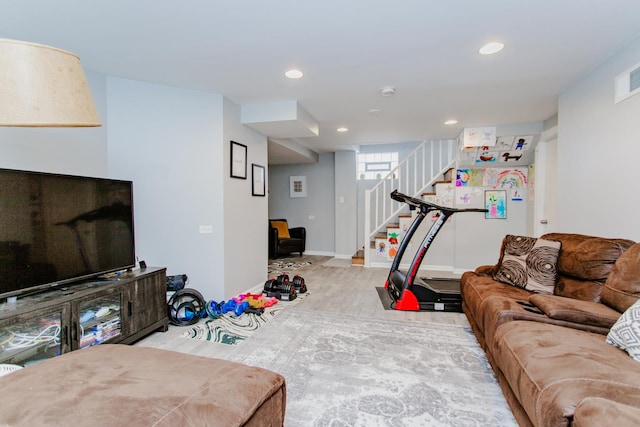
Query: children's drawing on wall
[
  {"x": 462, "y": 177},
  {"x": 485, "y": 156},
  {"x": 495, "y": 201},
  {"x": 517, "y": 194},
  {"x": 475, "y": 177},
  {"x": 381, "y": 247},
  {"x": 467, "y": 156},
  {"x": 504, "y": 143},
  {"x": 522, "y": 143},
  {"x": 404, "y": 223},
  {"x": 532, "y": 181},
  {"x": 508, "y": 157},
  {"x": 490, "y": 177},
  {"x": 512, "y": 178},
  {"x": 464, "y": 195}
]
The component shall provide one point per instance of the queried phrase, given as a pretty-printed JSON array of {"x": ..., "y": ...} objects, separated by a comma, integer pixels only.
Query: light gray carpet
[{"x": 352, "y": 371}]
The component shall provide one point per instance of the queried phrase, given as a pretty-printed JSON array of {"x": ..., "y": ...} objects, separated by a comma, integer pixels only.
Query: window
[{"x": 375, "y": 165}]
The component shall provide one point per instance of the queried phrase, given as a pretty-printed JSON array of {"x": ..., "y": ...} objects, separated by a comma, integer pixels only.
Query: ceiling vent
[{"x": 627, "y": 83}]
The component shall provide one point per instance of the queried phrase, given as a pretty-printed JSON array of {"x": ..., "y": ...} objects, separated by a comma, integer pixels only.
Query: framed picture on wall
[
  {"x": 238, "y": 160},
  {"x": 298, "y": 186},
  {"x": 258, "y": 182},
  {"x": 495, "y": 201}
]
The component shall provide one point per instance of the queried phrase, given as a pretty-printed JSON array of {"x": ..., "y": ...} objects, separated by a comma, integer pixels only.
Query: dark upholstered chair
[{"x": 281, "y": 244}]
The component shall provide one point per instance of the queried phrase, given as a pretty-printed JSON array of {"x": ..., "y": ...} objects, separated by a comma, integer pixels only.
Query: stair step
[
  {"x": 405, "y": 216},
  {"x": 358, "y": 258},
  {"x": 395, "y": 225}
]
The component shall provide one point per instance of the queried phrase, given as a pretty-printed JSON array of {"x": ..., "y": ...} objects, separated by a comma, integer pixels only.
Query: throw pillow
[
  {"x": 283, "y": 229},
  {"x": 625, "y": 333},
  {"x": 530, "y": 263}
]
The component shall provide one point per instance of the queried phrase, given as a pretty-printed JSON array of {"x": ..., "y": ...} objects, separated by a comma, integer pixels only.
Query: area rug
[
  {"x": 232, "y": 330},
  {"x": 276, "y": 268},
  {"x": 343, "y": 370}
]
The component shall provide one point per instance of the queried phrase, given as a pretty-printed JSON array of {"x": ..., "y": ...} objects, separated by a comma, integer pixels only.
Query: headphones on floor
[{"x": 186, "y": 307}]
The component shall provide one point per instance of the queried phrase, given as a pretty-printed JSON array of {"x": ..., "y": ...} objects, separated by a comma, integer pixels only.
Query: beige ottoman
[{"x": 112, "y": 385}]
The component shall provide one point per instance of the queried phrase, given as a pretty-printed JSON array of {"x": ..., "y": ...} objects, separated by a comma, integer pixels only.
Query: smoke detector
[{"x": 387, "y": 91}]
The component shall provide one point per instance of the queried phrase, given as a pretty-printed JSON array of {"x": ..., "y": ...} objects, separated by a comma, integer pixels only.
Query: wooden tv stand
[{"x": 120, "y": 310}]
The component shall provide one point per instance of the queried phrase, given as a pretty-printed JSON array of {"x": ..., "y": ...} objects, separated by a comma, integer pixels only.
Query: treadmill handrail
[{"x": 428, "y": 207}]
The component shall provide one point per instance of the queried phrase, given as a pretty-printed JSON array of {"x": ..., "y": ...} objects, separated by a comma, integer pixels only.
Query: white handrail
[{"x": 414, "y": 166}]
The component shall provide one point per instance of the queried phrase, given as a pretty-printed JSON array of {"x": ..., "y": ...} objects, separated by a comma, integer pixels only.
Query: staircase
[{"x": 423, "y": 174}]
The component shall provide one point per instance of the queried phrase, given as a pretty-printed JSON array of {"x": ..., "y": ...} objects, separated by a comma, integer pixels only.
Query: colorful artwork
[
  {"x": 504, "y": 142},
  {"x": 462, "y": 177},
  {"x": 381, "y": 247},
  {"x": 485, "y": 156},
  {"x": 490, "y": 177},
  {"x": 522, "y": 143},
  {"x": 475, "y": 177},
  {"x": 495, "y": 201},
  {"x": 511, "y": 178},
  {"x": 517, "y": 195}
]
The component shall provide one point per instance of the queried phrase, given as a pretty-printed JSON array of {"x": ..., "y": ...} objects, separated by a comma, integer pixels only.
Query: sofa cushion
[
  {"x": 622, "y": 288},
  {"x": 625, "y": 333},
  {"x": 529, "y": 263},
  {"x": 576, "y": 311},
  {"x": 587, "y": 257},
  {"x": 551, "y": 369},
  {"x": 283, "y": 229},
  {"x": 596, "y": 411}
]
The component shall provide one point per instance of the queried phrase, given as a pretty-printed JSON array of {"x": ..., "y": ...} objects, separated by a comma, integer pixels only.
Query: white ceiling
[{"x": 348, "y": 50}]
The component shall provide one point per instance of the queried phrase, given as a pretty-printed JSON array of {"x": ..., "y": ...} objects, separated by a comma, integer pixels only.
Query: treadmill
[{"x": 423, "y": 293}]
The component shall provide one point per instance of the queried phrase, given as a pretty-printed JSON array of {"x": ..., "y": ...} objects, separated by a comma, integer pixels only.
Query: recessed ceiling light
[
  {"x": 387, "y": 91},
  {"x": 491, "y": 48},
  {"x": 451, "y": 122},
  {"x": 342, "y": 129},
  {"x": 375, "y": 111},
  {"x": 294, "y": 73}
]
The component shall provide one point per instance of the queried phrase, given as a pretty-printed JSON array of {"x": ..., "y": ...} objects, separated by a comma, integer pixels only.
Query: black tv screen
[{"x": 55, "y": 229}]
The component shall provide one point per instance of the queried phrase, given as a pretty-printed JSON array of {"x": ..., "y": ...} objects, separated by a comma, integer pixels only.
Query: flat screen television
[{"x": 57, "y": 229}]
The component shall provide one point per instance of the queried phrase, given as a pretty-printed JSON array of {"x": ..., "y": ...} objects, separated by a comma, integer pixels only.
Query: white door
[{"x": 545, "y": 183}]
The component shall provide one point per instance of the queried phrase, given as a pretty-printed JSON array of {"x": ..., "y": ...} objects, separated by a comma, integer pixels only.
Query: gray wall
[
  {"x": 173, "y": 144},
  {"x": 319, "y": 203},
  {"x": 598, "y": 151}
]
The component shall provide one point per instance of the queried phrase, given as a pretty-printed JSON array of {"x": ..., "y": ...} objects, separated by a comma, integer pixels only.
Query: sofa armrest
[
  {"x": 486, "y": 270},
  {"x": 298, "y": 232},
  {"x": 573, "y": 310}
]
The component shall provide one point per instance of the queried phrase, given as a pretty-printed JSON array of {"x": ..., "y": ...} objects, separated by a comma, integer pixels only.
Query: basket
[{"x": 7, "y": 369}]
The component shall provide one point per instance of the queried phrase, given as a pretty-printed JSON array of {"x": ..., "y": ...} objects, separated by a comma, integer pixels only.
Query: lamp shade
[{"x": 41, "y": 86}]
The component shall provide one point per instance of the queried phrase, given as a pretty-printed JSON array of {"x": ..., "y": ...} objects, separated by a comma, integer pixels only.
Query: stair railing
[{"x": 414, "y": 174}]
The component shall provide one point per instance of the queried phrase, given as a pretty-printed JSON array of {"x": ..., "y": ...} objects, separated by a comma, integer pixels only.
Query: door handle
[{"x": 543, "y": 221}]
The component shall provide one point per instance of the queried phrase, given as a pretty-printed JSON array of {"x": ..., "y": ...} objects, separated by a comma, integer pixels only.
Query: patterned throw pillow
[
  {"x": 625, "y": 333},
  {"x": 529, "y": 263}
]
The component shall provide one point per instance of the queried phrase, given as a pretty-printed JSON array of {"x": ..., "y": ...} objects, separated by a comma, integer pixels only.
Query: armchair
[{"x": 284, "y": 240}]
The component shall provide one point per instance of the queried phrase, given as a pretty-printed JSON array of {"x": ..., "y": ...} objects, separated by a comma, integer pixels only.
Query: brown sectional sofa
[
  {"x": 549, "y": 351},
  {"x": 115, "y": 385}
]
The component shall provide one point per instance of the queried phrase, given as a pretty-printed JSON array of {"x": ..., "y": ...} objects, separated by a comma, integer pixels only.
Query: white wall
[
  {"x": 598, "y": 152},
  {"x": 73, "y": 151},
  {"x": 169, "y": 142},
  {"x": 346, "y": 202},
  {"x": 245, "y": 243}
]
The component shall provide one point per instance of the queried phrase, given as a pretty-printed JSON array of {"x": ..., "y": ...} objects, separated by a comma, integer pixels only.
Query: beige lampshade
[{"x": 41, "y": 86}]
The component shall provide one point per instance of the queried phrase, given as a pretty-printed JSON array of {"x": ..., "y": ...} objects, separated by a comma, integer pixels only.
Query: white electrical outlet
[{"x": 206, "y": 229}]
